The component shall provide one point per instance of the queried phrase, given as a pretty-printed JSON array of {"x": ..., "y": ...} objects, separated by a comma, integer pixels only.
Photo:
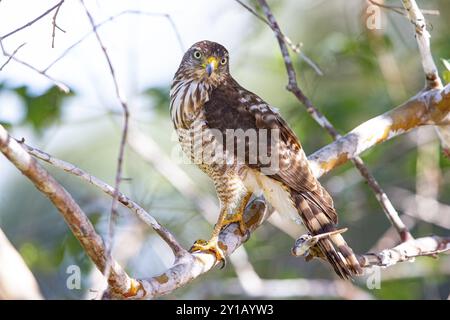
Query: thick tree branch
[
  {"x": 77, "y": 220},
  {"x": 426, "y": 108},
  {"x": 432, "y": 79},
  {"x": 190, "y": 266}
]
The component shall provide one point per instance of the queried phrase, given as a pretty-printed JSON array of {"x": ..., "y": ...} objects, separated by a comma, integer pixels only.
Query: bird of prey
[{"x": 246, "y": 147}]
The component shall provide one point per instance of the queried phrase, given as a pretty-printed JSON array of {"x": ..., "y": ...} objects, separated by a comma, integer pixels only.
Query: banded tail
[{"x": 320, "y": 217}]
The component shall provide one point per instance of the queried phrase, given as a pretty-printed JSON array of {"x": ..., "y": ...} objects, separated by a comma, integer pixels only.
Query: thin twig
[
  {"x": 55, "y": 25},
  {"x": 68, "y": 167},
  {"x": 32, "y": 21},
  {"x": 126, "y": 114},
  {"x": 111, "y": 18},
  {"x": 287, "y": 40},
  {"x": 63, "y": 87},
  {"x": 293, "y": 87},
  {"x": 401, "y": 10},
  {"x": 12, "y": 55}
]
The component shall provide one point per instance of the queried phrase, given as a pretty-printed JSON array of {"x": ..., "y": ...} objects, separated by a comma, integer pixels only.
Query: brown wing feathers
[{"x": 234, "y": 107}]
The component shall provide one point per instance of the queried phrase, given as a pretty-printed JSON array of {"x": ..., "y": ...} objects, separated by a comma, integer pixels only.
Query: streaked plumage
[{"x": 212, "y": 102}]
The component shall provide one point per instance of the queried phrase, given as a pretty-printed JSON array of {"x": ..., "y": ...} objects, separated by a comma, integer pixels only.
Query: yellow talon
[{"x": 211, "y": 246}]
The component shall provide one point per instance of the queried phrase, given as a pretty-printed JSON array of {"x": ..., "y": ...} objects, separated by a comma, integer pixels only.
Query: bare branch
[
  {"x": 423, "y": 41},
  {"x": 190, "y": 266},
  {"x": 165, "y": 234},
  {"x": 435, "y": 212},
  {"x": 63, "y": 87},
  {"x": 57, "y": 6},
  {"x": 77, "y": 220},
  {"x": 432, "y": 79},
  {"x": 120, "y": 14},
  {"x": 407, "y": 251},
  {"x": 287, "y": 40},
  {"x": 12, "y": 55},
  {"x": 426, "y": 108},
  {"x": 55, "y": 25},
  {"x": 126, "y": 115},
  {"x": 293, "y": 87}
]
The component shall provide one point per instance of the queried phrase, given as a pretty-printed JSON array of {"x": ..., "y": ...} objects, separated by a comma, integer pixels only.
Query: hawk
[{"x": 225, "y": 129}]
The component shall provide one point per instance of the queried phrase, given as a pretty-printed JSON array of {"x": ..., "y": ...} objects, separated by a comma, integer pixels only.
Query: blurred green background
[{"x": 366, "y": 72}]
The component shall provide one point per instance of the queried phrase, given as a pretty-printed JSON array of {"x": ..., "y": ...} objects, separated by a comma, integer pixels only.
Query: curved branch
[
  {"x": 427, "y": 108},
  {"x": 407, "y": 251},
  {"x": 188, "y": 267},
  {"x": 165, "y": 234},
  {"x": 77, "y": 220}
]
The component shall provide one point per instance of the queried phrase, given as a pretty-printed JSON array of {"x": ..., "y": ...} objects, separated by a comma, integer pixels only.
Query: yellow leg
[
  {"x": 238, "y": 216},
  {"x": 212, "y": 244}
]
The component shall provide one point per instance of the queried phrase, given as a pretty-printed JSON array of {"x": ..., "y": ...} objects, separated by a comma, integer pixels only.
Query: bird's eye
[
  {"x": 197, "y": 54},
  {"x": 223, "y": 61}
]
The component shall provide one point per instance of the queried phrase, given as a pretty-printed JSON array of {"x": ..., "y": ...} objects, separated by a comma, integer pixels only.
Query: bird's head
[{"x": 206, "y": 61}]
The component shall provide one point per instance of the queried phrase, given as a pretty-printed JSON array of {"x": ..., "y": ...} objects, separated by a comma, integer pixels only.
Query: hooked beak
[{"x": 211, "y": 65}]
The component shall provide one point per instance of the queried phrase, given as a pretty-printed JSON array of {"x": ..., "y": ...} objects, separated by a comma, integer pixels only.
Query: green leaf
[{"x": 42, "y": 110}]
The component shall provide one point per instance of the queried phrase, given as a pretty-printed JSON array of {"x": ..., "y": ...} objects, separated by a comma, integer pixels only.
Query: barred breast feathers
[{"x": 186, "y": 99}]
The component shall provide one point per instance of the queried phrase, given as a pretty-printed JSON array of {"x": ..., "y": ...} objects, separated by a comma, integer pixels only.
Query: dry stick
[
  {"x": 426, "y": 108},
  {"x": 68, "y": 167},
  {"x": 77, "y": 220},
  {"x": 12, "y": 55},
  {"x": 32, "y": 21},
  {"x": 58, "y": 83},
  {"x": 126, "y": 114},
  {"x": 407, "y": 251},
  {"x": 55, "y": 25},
  {"x": 63, "y": 87},
  {"x": 111, "y": 18},
  {"x": 287, "y": 40},
  {"x": 293, "y": 87},
  {"x": 423, "y": 41},
  {"x": 432, "y": 79}
]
